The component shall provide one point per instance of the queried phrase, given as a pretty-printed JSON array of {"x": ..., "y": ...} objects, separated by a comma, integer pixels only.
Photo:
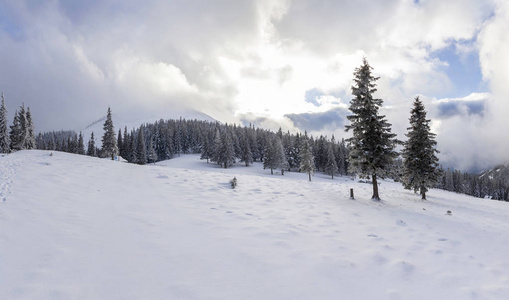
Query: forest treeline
[
  {"x": 371, "y": 152},
  {"x": 166, "y": 139}
]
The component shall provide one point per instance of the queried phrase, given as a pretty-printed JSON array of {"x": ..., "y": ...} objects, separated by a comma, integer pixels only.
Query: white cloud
[{"x": 232, "y": 59}]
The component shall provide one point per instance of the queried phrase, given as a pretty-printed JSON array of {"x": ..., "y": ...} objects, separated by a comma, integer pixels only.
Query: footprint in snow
[
  {"x": 443, "y": 239},
  {"x": 372, "y": 235}
]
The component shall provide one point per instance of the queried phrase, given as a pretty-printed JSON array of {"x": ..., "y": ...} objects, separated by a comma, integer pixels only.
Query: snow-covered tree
[
  {"x": 224, "y": 153},
  {"x": 120, "y": 143},
  {"x": 274, "y": 154},
  {"x": 141, "y": 153},
  {"x": 30, "y": 135},
  {"x": 15, "y": 132},
  {"x": 372, "y": 143},
  {"x": 246, "y": 155},
  {"x": 420, "y": 171},
  {"x": 91, "y": 149},
  {"x": 5, "y": 141},
  {"x": 151, "y": 152},
  {"x": 81, "y": 144},
  {"x": 207, "y": 151},
  {"x": 109, "y": 139},
  {"x": 330, "y": 166},
  {"x": 22, "y": 130},
  {"x": 307, "y": 161}
]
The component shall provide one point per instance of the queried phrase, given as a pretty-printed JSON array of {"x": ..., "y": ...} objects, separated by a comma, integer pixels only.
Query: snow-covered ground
[{"x": 75, "y": 227}]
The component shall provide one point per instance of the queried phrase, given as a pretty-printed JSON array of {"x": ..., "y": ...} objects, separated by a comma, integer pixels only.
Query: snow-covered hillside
[{"x": 76, "y": 227}]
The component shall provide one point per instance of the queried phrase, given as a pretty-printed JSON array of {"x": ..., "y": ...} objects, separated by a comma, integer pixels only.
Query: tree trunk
[
  {"x": 271, "y": 172},
  {"x": 375, "y": 188},
  {"x": 309, "y": 173},
  {"x": 423, "y": 196}
]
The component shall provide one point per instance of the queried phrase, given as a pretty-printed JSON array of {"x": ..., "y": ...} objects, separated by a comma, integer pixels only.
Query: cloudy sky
[{"x": 271, "y": 62}]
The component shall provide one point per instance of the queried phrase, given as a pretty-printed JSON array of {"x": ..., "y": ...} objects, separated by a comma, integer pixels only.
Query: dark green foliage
[
  {"x": 274, "y": 154},
  {"x": 372, "y": 144},
  {"x": 307, "y": 161},
  {"x": 141, "y": 153},
  {"x": 420, "y": 165},
  {"x": 5, "y": 141},
  {"x": 91, "y": 149},
  {"x": 109, "y": 139},
  {"x": 330, "y": 166}
]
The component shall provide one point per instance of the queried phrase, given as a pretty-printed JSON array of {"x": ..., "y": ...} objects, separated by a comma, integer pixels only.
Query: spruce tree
[
  {"x": 141, "y": 153},
  {"x": 274, "y": 153},
  {"x": 372, "y": 143},
  {"x": 120, "y": 143},
  {"x": 81, "y": 145},
  {"x": 5, "y": 141},
  {"x": 91, "y": 150},
  {"x": 246, "y": 155},
  {"x": 224, "y": 152},
  {"x": 30, "y": 135},
  {"x": 420, "y": 166},
  {"x": 151, "y": 154},
  {"x": 307, "y": 160},
  {"x": 330, "y": 166},
  {"x": 15, "y": 133},
  {"x": 109, "y": 139}
]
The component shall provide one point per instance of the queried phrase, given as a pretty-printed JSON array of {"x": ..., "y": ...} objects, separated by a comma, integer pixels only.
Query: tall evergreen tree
[
  {"x": 5, "y": 141},
  {"x": 30, "y": 135},
  {"x": 330, "y": 166},
  {"x": 207, "y": 145},
  {"x": 141, "y": 153},
  {"x": 224, "y": 153},
  {"x": 120, "y": 143},
  {"x": 372, "y": 143},
  {"x": 307, "y": 161},
  {"x": 81, "y": 144},
  {"x": 274, "y": 153},
  {"x": 151, "y": 152},
  {"x": 420, "y": 166},
  {"x": 109, "y": 139},
  {"x": 246, "y": 155},
  {"x": 91, "y": 149}
]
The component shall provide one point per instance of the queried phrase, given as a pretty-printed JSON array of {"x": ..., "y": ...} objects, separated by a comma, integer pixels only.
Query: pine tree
[
  {"x": 274, "y": 154},
  {"x": 30, "y": 135},
  {"x": 141, "y": 153},
  {"x": 224, "y": 152},
  {"x": 91, "y": 150},
  {"x": 420, "y": 170},
  {"x": 18, "y": 132},
  {"x": 207, "y": 145},
  {"x": 109, "y": 139},
  {"x": 120, "y": 143},
  {"x": 5, "y": 141},
  {"x": 246, "y": 155},
  {"x": 151, "y": 153},
  {"x": 372, "y": 144},
  {"x": 307, "y": 161},
  {"x": 81, "y": 145},
  {"x": 330, "y": 162}
]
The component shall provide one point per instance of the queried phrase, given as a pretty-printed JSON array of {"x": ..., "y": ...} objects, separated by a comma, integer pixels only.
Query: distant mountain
[
  {"x": 121, "y": 121},
  {"x": 498, "y": 173}
]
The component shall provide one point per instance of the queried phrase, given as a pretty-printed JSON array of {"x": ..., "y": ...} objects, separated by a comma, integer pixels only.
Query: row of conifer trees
[
  {"x": 371, "y": 151},
  {"x": 18, "y": 136}
]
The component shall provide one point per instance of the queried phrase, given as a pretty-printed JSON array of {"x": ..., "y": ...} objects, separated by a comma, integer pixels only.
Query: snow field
[{"x": 75, "y": 227}]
